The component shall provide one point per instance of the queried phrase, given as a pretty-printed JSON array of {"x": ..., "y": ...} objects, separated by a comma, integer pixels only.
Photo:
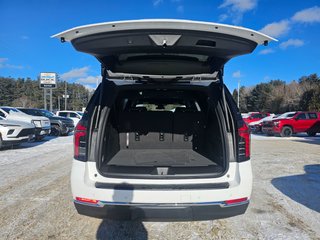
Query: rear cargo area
[{"x": 161, "y": 133}]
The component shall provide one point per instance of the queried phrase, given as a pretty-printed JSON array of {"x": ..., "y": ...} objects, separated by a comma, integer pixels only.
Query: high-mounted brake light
[
  {"x": 80, "y": 143},
  {"x": 236, "y": 201},
  {"x": 244, "y": 143}
]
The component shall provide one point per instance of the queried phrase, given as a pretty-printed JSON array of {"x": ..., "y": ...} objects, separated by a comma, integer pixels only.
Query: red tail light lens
[
  {"x": 86, "y": 200},
  {"x": 236, "y": 201},
  {"x": 80, "y": 142},
  {"x": 244, "y": 143}
]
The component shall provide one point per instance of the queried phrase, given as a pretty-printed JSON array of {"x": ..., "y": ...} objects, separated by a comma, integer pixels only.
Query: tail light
[
  {"x": 244, "y": 143},
  {"x": 236, "y": 201},
  {"x": 80, "y": 142},
  {"x": 86, "y": 200}
]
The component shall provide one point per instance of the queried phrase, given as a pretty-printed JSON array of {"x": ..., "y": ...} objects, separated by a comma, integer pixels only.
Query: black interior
[{"x": 183, "y": 141}]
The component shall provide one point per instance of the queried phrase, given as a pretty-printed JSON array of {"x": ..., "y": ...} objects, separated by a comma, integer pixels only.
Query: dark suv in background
[{"x": 60, "y": 126}]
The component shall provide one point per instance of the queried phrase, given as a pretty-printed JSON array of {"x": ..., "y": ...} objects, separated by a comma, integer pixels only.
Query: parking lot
[{"x": 36, "y": 203}]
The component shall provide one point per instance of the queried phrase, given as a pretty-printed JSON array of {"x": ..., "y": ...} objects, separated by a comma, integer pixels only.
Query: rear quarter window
[{"x": 312, "y": 115}]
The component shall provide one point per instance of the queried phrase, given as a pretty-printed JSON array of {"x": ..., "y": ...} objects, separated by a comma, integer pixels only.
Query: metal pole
[
  {"x": 65, "y": 95},
  {"x": 239, "y": 93},
  {"x": 50, "y": 99},
  {"x": 58, "y": 103},
  {"x": 45, "y": 98}
]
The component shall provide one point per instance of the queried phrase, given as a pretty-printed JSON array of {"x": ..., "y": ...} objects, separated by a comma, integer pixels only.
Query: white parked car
[
  {"x": 13, "y": 133},
  {"x": 133, "y": 161},
  {"x": 74, "y": 115},
  {"x": 42, "y": 124}
]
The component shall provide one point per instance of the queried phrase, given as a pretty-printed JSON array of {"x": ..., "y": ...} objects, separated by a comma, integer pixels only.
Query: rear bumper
[
  {"x": 162, "y": 213},
  {"x": 160, "y": 199}
]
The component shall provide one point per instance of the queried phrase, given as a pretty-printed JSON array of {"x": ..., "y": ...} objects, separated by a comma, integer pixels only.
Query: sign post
[{"x": 48, "y": 80}]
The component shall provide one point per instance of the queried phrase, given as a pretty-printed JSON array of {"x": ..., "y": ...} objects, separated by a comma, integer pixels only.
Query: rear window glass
[
  {"x": 33, "y": 112},
  {"x": 73, "y": 115},
  {"x": 258, "y": 115},
  {"x": 312, "y": 115},
  {"x": 159, "y": 107},
  {"x": 63, "y": 114}
]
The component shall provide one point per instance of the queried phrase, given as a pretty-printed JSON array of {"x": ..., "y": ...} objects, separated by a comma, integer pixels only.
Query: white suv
[
  {"x": 13, "y": 133},
  {"x": 162, "y": 138},
  {"x": 74, "y": 115},
  {"x": 42, "y": 124}
]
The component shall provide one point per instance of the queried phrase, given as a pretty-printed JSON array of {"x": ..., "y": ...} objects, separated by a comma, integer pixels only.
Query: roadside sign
[
  {"x": 48, "y": 80},
  {"x": 65, "y": 96}
]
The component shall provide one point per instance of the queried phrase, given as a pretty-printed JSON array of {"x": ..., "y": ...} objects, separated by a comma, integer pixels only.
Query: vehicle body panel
[
  {"x": 163, "y": 47},
  {"x": 15, "y": 132},
  {"x": 297, "y": 125},
  {"x": 75, "y": 116},
  {"x": 66, "y": 124},
  {"x": 255, "y": 116},
  {"x": 256, "y": 126},
  {"x": 42, "y": 124},
  {"x": 142, "y": 53},
  {"x": 83, "y": 182}
]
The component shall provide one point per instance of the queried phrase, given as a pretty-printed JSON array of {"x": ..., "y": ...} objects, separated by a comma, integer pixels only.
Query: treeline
[
  {"x": 26, "y": 93},
  {"x": 277, "y": 96}
]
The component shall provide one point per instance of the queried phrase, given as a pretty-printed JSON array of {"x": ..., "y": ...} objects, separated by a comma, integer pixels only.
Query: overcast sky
[{"x": 26, "y": 48}]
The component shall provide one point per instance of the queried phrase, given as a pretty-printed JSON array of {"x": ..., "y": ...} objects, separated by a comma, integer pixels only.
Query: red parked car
[
  {"x": 255, "y": 116},
  {"x": 295, "y": 122}
]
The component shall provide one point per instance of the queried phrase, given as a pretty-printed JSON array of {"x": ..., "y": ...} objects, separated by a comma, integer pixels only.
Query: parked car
[
  {"x": 13, "y": 133},
  {"x": 256, "y": 127},
  {"x": 60, "y": 126},
  {"x": 42, "y": 124},
  {"x": 267, "y": 125},
  {"x": 255, "y": 116},
  {"x": 297, "y": 122},
  {"x": 74, "y": 115},
  {"x": 133, "y": 161}
]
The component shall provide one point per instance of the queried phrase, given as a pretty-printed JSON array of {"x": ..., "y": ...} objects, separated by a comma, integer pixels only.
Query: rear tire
[
  {"x": 311, "y": 134},
  {"x": 286, "y": 132}
]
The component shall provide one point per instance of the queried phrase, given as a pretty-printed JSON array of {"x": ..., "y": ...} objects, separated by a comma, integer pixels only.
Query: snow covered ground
[{"x": 36, "y": 203}]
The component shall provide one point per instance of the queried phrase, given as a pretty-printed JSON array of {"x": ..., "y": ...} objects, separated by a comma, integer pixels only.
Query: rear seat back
[
  {"x": 146, "y": 121},
  {"x": 141, "y": 129},
  {"x": 188, "y": 121}
]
